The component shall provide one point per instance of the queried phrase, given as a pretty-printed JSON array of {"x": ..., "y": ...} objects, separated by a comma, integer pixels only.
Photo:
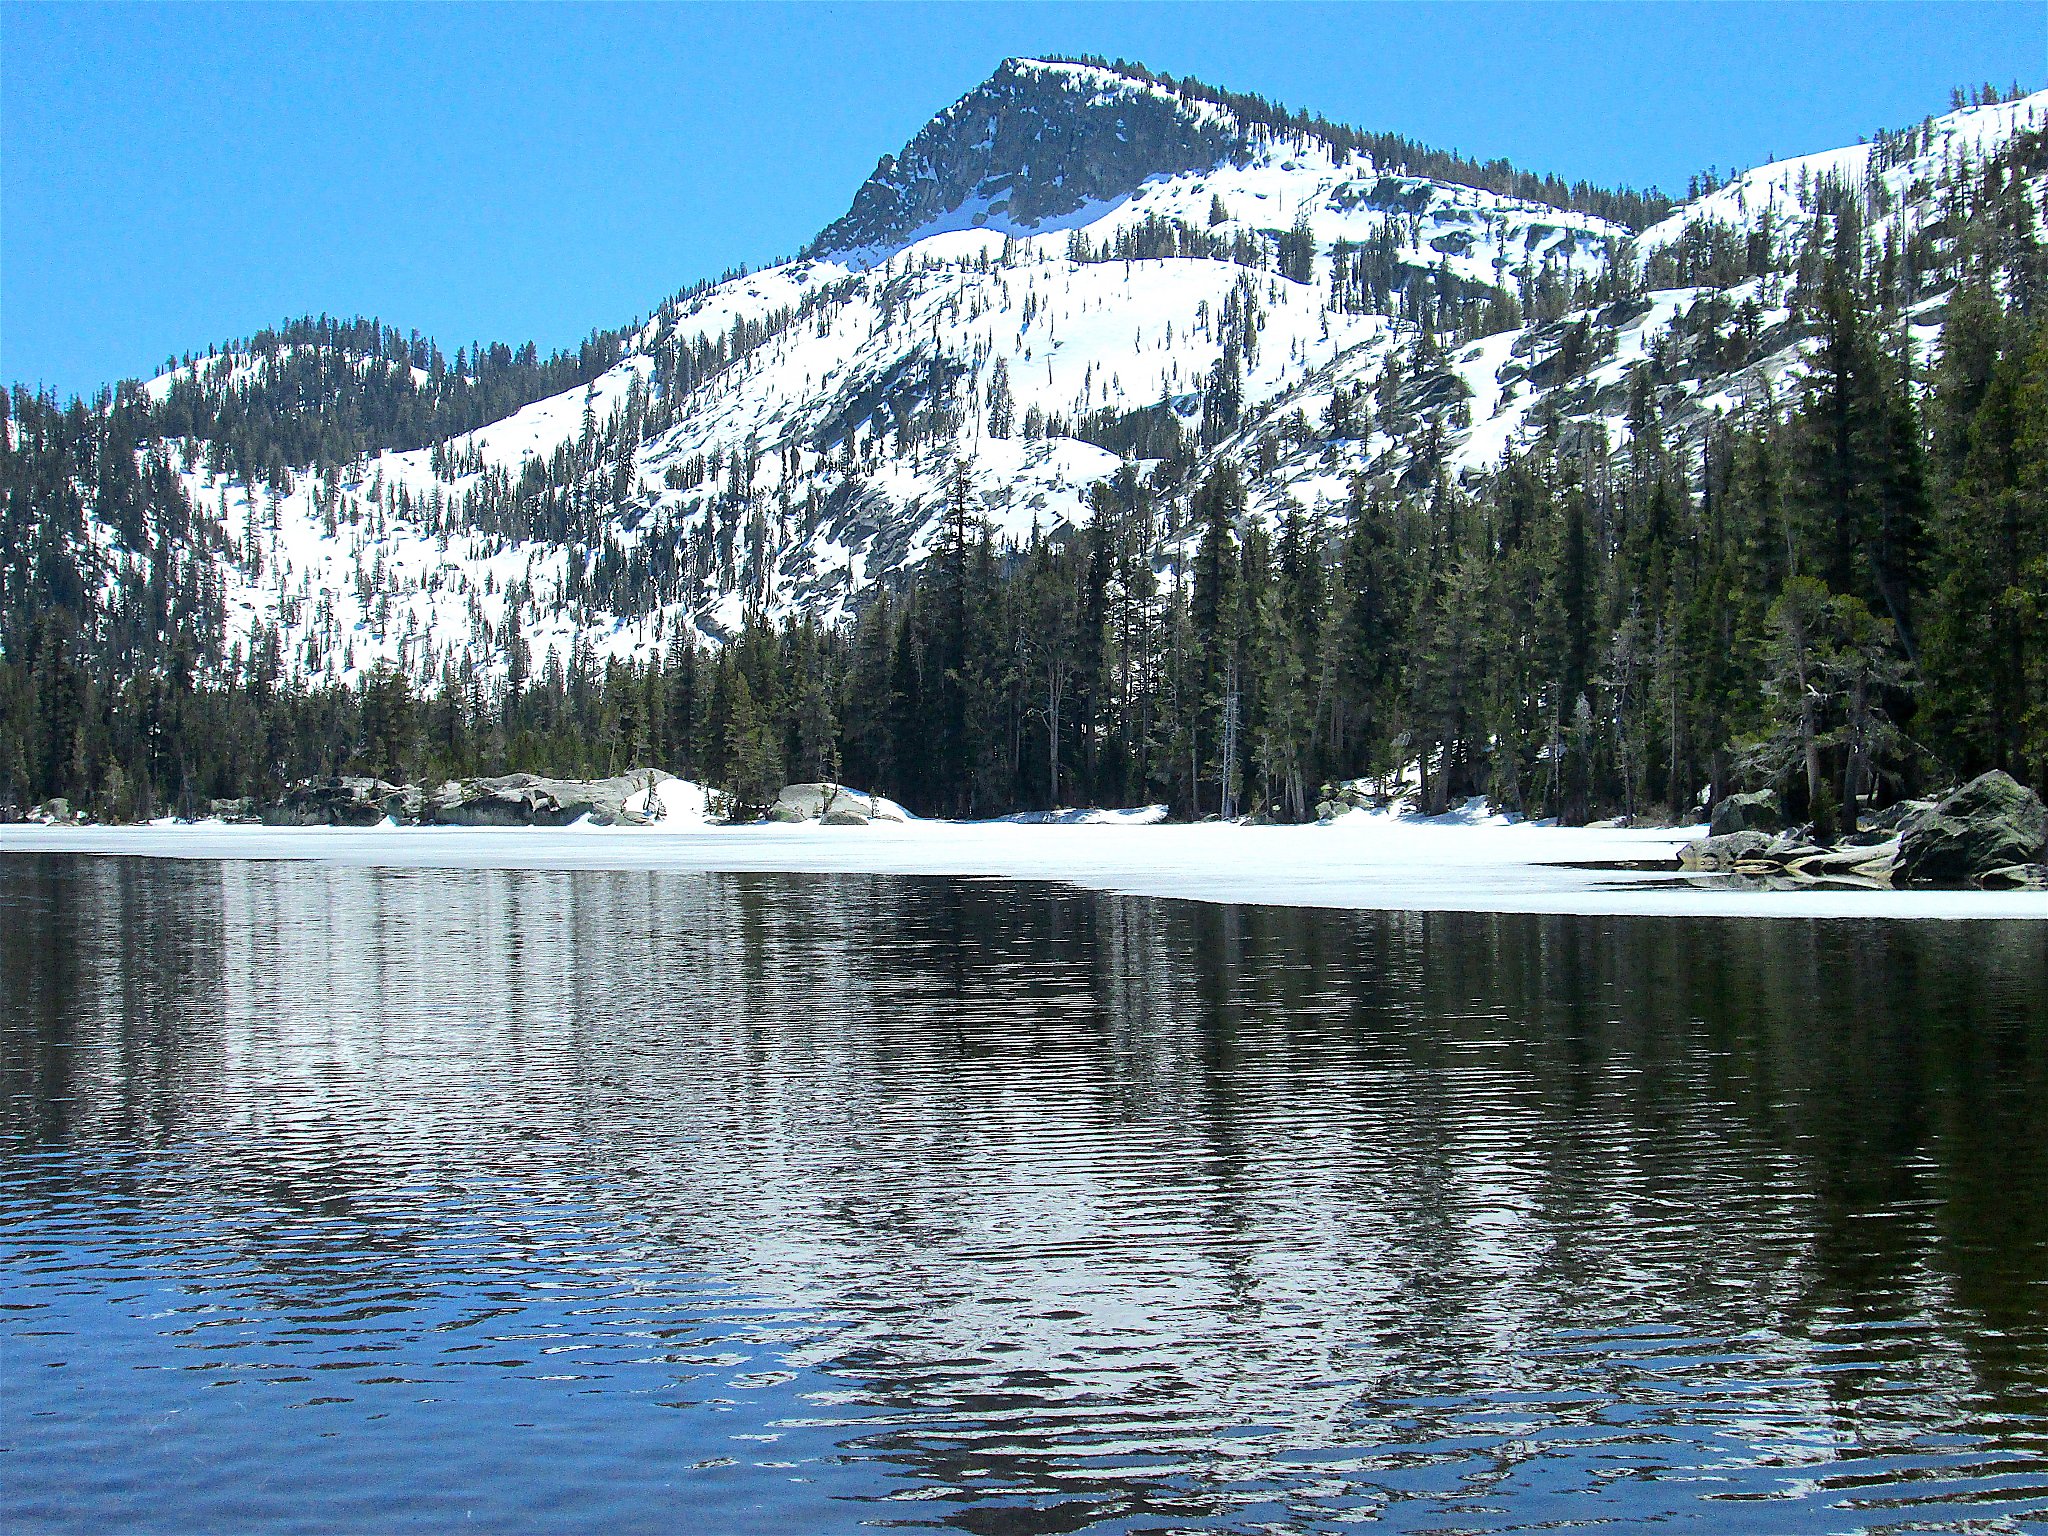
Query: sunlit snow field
[{"x": 1364, "y": 861}]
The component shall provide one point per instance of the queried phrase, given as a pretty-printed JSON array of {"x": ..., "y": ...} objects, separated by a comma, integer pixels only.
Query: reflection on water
[{"x": 348, "y": 1198}]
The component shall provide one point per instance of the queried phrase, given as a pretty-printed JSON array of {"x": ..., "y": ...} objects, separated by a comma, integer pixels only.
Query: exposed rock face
[
  {"x": 1993, "y": 833},
  {"x": 832, "y": 804},
  {"x": 804, "y": 802},
  {"x": 1791, "y": 856},
  {"x": 340, "y": 801},
  {"x": 1756, "y": 812},
  {"x": 1991, "y": 823},
  {"x": 1893, "y": 818},
  {"x": 1351, "y": 795},
  {"x": 1034, "y": 142},
  {"x": 1852, "y": 862},
  {"x": 1793, "y": 843},
  {"x": 516, "y": 800},
  {"x": 527, "y": 800},
  {"x": 1722, "y": 852},
  {"x": 343, "y": 801}
]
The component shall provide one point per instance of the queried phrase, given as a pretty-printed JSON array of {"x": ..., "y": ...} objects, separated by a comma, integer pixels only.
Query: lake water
[{"x": 344, "y": 1198}]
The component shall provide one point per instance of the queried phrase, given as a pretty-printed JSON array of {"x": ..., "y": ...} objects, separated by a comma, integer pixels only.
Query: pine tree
[
  {"x": 1986, "y": 649},
  {"x": 753, "y": 761},
  {"x": 389, "y": 724},
  {"x": 1215, "y": 700}
]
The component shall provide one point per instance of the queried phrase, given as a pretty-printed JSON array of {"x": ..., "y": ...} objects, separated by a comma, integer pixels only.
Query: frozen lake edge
[{"x": 1362, "y": 862}]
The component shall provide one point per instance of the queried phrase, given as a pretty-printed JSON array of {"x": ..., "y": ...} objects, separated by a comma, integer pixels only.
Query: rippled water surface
[{"x": 370, "y": 1199}]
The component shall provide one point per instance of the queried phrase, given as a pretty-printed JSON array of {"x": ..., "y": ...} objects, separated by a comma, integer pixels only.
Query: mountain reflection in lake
[{"x": 343, "y": 1198}]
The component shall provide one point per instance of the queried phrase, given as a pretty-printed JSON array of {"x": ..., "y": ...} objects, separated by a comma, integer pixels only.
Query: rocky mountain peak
[{"x": 1037, "y": 141}]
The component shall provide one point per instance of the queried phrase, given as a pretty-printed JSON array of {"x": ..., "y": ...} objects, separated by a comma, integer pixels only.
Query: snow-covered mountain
[
  {"x": 1072, "y": 265},
  {"x": 1038, "y": 146}
]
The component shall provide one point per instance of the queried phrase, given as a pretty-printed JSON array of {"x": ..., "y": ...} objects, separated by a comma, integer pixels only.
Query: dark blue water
[{"x": 346, "y": 1199}]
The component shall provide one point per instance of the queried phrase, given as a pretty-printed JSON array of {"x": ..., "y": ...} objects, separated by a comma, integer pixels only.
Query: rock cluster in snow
[{"x": 1991, "y": 832}]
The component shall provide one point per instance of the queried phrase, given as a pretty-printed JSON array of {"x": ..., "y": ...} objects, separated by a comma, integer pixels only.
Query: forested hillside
[{"x": 1305, "y": 456}]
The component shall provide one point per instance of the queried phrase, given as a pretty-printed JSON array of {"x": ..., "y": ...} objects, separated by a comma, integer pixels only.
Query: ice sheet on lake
[{"x": 1364, "y": 861}]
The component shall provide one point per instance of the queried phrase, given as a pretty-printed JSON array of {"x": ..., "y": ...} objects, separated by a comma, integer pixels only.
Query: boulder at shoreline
[
  {"x": 1757, "y": 812},
  {"x": 528, "y": 800},
  {"x": 832, "y": 805},
  {"x": 343, "y": 800},
  {"x": 1992, "y": 823}
]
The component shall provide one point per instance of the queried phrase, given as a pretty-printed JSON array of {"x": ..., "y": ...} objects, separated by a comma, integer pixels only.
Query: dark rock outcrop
[
  {"x": 1722, "y": 852},
  {"x": 1791, "y": 856},
  {"x": 1851, "y": 861},
  {"x": 1991, "y": 823},
  {"x": 1350, "y": 795},
  {"x": 834, "y": 805},
  {"x": 1893, "y": 818},
  {"x": 528, "y": 800},
  {"x": 1793, "y": 843},
  {"x": 343, "y": 800},
  {"x": 1033, "y": 142},
  {"x": 1758, "y": 812}
]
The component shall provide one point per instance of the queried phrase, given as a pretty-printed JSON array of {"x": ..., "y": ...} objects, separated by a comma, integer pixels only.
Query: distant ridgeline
[
  {"x": 1403, "y": 156},
  {"x": 1127, "y": 440},
  {"x": 1029, "y": 146},
  {"x": 322, "y": 391}
]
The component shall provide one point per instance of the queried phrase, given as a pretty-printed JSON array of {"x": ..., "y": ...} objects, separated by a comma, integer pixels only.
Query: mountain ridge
[
  {"x": 1104, "y": 134},
  {"x": 1281, "y": 273},
  {"x": 1224, "y": 487}
]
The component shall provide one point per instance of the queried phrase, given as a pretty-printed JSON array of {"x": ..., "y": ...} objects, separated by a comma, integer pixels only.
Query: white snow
[
  {"x": 1087, "y": 816},
  {"x": 1364, "y": 862},
  {"x": 681, "y": 802},
  {"x": 386, "y": 585},
  {"x": 1789, "y": 190},
  {"x": 829, "y": 505}
]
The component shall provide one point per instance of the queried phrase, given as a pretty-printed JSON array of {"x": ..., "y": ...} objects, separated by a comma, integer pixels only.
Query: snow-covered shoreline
[{"x": 1362, "y": 861}]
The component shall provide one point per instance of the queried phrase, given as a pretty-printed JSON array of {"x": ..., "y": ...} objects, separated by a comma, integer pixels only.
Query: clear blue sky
[{"x": 177, "y": 174}]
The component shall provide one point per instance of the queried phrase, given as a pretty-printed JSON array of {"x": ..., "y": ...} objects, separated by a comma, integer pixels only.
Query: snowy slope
[
  {"x": 1786, "y": 196},
  {"x": 792, "y": 478}
]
